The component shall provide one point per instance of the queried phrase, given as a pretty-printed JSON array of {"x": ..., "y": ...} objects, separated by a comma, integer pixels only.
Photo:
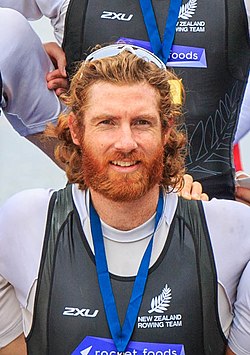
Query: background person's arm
[
  {"x": 229, "y": 352},
  {"x": 242, "y": 189},
  {"x": 243, "y": 195},
  {"x": 16, "y": 347},
  {"x": 11, "y": 326},
  {"x": 46, "y": 145}
]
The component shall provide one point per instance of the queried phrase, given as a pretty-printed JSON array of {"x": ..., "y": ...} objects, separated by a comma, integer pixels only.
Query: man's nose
[{"x": 125, "y": 139}]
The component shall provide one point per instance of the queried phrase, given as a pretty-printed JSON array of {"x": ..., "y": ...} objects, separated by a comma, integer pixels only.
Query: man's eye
[
  {"x": 142, "y": 122},
  {"x": 106, "y": 122}
]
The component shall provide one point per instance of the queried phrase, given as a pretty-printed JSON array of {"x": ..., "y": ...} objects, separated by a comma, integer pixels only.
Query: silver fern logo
[
  {"x": 188, "y": 10},
  {"x": 216, "y": 148},
  {"x": 160, "y": 304}
]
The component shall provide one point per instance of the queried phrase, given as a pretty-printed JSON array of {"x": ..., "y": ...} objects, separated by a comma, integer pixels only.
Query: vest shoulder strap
[
  {"x": 57, "y": 217},
  {"x": 191, "y": 214}
]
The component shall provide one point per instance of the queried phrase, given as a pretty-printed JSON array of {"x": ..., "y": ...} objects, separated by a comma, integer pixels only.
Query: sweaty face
[{"x": 123, "y": 141}]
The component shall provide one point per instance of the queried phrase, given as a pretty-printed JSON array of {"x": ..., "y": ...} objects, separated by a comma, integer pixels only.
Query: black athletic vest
[
  {"x": 219, "y": 30},
  {"x": 68, "y": 305}
]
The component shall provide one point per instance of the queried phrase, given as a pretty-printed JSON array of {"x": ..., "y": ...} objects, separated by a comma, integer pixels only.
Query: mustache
[{"x": 132, "y": 156}]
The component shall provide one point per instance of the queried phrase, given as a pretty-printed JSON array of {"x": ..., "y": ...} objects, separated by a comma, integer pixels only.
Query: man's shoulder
[
  {"x": 26, "y": 201},
  {"x": 226, "y": 206},
  {"x": 23, "y": 211},
  {"x": 22, "y": 226},
  {"x": 228, "y": 225},
  {"x": 232, "y": 213}
]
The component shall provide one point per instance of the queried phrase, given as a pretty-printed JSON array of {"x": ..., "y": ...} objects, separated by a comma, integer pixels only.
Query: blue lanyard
[
  {"x": 120, "y": 335},
  {"x": 162, "y": 50}
]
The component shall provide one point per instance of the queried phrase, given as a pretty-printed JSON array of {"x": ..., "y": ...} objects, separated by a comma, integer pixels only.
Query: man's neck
[{"x": 126, "y": 215}]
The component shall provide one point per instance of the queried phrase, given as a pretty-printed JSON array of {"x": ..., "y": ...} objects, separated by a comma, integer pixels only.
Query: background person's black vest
[
  {"x": 68, "y": 292},
  {"x": 214, "y": 94}
]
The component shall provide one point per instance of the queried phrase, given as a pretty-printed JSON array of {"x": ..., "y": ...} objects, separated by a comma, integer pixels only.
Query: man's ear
[{"x": 73, "y": 128}]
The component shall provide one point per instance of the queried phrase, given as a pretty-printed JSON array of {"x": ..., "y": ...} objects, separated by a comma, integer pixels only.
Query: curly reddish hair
[{"x": 123, "y": 69}]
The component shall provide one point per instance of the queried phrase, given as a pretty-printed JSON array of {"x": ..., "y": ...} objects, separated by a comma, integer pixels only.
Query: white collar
[{"x": 81, "y": 200}]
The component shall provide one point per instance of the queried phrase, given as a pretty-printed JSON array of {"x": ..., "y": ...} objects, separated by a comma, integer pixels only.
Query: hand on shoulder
[{"x": 192, "y": 190}]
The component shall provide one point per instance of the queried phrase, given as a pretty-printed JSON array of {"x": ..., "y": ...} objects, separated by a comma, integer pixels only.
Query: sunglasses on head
[{"x": 115, "y": 49}]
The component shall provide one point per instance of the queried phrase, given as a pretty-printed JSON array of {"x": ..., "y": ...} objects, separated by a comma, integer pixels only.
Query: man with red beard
[{"x": 116, "y": 262}]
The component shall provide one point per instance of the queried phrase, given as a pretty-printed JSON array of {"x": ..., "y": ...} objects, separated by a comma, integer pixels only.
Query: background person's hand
[
  {"x": 192, "y": 190},
  {"x": 57, "y": 79},
  {"x": 242, "y": 193}
]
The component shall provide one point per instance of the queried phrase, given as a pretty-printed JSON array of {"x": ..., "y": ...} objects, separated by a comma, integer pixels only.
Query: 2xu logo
[
  {"x": 114, "y": 16},
  {"x": 75, "y": 312}
]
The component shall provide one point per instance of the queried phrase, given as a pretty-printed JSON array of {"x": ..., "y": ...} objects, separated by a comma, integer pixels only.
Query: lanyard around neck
[
  {"x": 162, "y": 50},
  {"x": 120, "y": 335}
]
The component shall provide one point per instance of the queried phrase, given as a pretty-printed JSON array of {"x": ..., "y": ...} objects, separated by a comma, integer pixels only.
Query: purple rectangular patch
[
  {"x": 180, "y": 56},
  {"x": 102, "y": 346}
]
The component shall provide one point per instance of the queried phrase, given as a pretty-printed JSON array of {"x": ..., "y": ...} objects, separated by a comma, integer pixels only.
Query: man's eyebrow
[
  {"x": 107, "y": 116},
  {"x": 146, "y": 116},
  {"x": 104, "y": 116}
]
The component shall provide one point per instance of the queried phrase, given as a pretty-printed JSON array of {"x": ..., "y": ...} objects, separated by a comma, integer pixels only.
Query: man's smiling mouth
[{"x": 124, "y": 163}]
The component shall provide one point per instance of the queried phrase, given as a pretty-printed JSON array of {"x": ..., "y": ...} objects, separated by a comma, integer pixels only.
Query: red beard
[{"x": 117, "y": 186}]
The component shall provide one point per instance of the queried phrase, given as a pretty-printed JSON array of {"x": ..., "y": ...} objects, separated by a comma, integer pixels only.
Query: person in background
[
  {"x": 210, "y": 53},
  {"x": 118, "y": 237},
  {"x": 242, "y": 193},
  {"x": 243, "y": 127}
]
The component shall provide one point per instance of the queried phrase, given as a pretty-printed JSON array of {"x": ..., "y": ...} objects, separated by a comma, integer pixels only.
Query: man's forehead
[{"x": 140, "y": 90}]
